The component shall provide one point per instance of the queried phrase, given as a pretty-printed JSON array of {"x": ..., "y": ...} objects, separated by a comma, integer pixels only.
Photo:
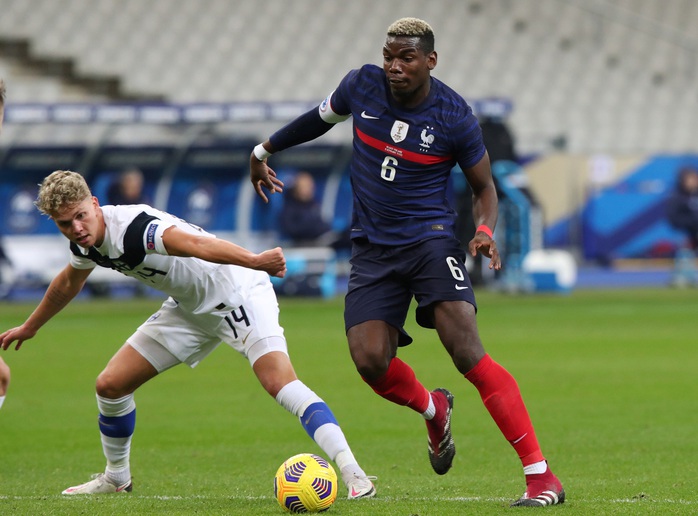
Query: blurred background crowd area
[{"x": 591, "y": 107}]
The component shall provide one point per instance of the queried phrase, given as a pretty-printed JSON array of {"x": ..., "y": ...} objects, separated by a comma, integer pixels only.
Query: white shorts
[{"x": 252, "y": 329}]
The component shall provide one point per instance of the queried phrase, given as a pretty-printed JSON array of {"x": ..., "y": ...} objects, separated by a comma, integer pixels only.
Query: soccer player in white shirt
[{"x": 219, "y": 292}]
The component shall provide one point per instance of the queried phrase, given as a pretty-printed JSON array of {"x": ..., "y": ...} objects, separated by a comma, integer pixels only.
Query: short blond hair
[
  {"x": 61, "y": 189},
  {"x": 414, "y": 28}
]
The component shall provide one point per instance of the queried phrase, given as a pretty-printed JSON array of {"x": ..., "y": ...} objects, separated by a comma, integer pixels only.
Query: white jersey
[{"x": 133, "y": 246}]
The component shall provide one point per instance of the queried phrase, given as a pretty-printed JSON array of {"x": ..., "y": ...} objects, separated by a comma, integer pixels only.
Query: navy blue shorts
[{"x": 384, "y": 279}]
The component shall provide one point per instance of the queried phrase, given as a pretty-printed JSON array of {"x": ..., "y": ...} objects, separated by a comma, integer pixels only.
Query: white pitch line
[{"x": 617, "y": 501}]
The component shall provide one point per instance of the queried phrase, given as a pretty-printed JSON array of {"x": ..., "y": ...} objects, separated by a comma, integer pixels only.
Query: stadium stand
[
  {"x": 609, "y": 75},
  {"x": 587, "y": 78}
]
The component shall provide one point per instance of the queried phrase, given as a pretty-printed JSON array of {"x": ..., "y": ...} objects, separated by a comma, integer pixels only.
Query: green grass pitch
[{"x": 610, "y": 379}]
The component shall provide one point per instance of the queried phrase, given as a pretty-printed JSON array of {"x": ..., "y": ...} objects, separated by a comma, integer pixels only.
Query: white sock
[
  {"x": 2, "y": 400},
  {"x": 348, "y": 467},
  {"x": 117, "y": 450},
  {"x": 118, "y": 476},
  {"x": 430, "y": 412},
  {"x": 536, "y": 468},
  {"x": 295, "y": 397},
  {"x": 331, "y": 439}
]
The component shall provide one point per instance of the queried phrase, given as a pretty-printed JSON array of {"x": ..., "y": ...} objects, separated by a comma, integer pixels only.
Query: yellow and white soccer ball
[{"x": 305, "y": 483}]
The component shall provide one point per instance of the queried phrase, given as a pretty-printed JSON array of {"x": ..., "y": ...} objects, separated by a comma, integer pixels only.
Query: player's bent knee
[
  {"x": 467, "y": 353},
  {"x": 371, "y": 370},
  {"x": 274, "y": 371},
  {"x": 464, "y": 362},
  {"x": 274, "y": 385},
  {"x": 108, "y": 387},
  {"x": 370, "y": 364}
]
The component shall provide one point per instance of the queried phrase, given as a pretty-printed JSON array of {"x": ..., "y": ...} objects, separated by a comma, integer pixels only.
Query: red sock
[
  {"x": 502, "y": 398},
  {"x": 400, "y": 385}
]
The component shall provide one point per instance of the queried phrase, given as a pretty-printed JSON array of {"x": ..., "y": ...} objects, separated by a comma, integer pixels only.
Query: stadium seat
[{"x": 533, "y": 48}]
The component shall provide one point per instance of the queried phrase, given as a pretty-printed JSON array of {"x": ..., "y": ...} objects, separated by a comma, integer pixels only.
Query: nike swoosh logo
[
  {"x": 516, "y": 441},
  {"x": 458, "y": 287},
  {"x": 370, "y": 117}
]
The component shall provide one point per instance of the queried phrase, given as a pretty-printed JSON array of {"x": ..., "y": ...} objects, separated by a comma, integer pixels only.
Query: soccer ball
[{"x": 305, "y": 483}]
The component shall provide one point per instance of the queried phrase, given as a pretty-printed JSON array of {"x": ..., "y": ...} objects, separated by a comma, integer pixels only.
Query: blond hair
[
  {"x": 414, "y": 28},
  {"x": 61, "y": 189}
]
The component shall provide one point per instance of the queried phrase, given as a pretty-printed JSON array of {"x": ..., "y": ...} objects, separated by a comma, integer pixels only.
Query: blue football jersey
[{"x": 402, "y": 158}]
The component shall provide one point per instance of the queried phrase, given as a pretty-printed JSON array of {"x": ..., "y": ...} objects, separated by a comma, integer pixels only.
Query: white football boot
[
  {"x": 358, "y": 486},
  {"x": 98, "y": 485}
]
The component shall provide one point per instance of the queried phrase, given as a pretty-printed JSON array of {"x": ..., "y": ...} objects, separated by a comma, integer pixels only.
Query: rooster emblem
[{"x": 427, "y": 139}]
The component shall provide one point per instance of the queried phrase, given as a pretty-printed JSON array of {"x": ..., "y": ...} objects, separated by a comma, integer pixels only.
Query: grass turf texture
[{"x": 609, "y": 378}]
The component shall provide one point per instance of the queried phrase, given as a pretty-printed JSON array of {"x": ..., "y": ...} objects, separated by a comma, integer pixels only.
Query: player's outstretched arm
[
  {"x": 261, "y": 174},
  {"x": 64, "y": 287},
  {"x": 305, "y": 128},
  {"x": 180, "y": 243}
]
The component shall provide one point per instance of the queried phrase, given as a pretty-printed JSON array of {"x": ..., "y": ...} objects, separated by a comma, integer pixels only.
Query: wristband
[
  {"x": 260, "y": 152},
  {"x": 487, "y": 231}
]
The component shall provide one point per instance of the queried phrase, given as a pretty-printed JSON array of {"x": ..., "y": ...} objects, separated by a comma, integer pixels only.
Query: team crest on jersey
[
  {"x": 427, "y": 138},
  {"x": 399, "y": 131}
]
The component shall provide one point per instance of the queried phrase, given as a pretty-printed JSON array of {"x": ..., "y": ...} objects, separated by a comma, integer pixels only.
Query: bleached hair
[
  {"x": 414, "y": 28},
  {"x": 61, "y": 189}
]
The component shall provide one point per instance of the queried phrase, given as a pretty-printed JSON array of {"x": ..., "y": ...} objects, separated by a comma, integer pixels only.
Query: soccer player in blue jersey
[{"x": 410, "y": 130}]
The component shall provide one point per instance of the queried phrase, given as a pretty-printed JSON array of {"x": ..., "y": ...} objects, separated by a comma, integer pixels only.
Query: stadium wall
[{"x": 609, "y": 207}]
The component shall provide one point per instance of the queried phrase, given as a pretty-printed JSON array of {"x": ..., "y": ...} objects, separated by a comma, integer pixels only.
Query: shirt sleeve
[
  {"x": 78, "y": 262},
  {"x": 329, "y": 112},
  {"x": 153, "y": 237},
  {"x": 339, "y": 101},
  {"x": 470, "y": 147}
]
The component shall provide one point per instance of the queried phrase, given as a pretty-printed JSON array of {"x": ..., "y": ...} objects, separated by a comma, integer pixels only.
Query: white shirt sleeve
[
  {"x": 153, "y": 237},
  {"x": 79, "y": 262}
]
